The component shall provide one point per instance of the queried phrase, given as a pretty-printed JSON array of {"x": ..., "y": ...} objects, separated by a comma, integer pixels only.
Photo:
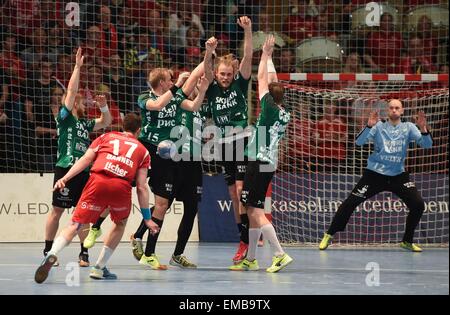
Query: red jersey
[{"x": 119, "y": 155}]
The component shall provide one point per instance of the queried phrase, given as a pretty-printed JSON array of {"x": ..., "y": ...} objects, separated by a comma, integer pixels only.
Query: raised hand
[
  {"x": 79, "y": 59},
  {"x": 182, "y": 78},
  {"x": 100, "y": 100},
  {"x": 373, "y": 118},
  {"x": 421, "y": 121},
  {"x": 245, "y": 23},
  {"x": 268, "y": 45},
  {"x": 211, "y": 44}
]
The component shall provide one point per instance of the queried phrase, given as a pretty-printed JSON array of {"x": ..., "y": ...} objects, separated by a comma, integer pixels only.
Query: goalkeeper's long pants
[{"x": 372, "y": 183}]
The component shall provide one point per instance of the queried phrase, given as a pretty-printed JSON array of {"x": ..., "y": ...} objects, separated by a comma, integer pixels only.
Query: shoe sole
[
  {"x": 244, "y": 269},
  {"x": 83, "y": 264},
  {"x": 174, "y": 264},
  {"x": 411, "y": 250},
  {"x": 136, "y": 252},
  {"x": 161, "y": 267},
  {"x": 43, "y": 270},
  {"x": 95, "y": 277}
]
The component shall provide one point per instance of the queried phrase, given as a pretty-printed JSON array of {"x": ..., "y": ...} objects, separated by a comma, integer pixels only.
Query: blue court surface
[{"x": 388, "y": 271}]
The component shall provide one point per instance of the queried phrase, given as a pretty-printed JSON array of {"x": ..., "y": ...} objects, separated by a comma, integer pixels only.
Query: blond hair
[{"x": 156, "y": 75}]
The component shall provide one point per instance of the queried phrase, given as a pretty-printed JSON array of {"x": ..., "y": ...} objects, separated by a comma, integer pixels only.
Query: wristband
[
  {"x": 174, "y": 89},
  {"x": 104, "y": 109},
  {"x": 146, "y": 213},
  {"x": 270, "y": 66}
]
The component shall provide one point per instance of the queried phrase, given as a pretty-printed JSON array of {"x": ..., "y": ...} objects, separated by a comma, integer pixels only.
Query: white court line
[
  {"x": 324, "y": 283},
  {"x": 352, "y": 283},
  {"x": 422, "y": 284},
  {"x": 391, "y": 270},
  {"x": 252, "y": 281},
  {"x": 286, "y": 282}
]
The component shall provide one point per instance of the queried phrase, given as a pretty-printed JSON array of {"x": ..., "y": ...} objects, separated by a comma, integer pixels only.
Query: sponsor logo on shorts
[
  {"x": 90, "y": 207},
  {"x": 409, "y": 185},
  {"x": 361, "y": 192},
  {"x": 65, "y": 192},
  {"x": 169, "y": 187}
]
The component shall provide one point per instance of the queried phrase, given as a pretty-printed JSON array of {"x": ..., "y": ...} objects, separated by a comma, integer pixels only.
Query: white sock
[
  {"x": 104, "y": 256},
  {"x": 253, "y": 238},
  {"x": 269, "y": 234},
  {"x": 59, "y": 243}
]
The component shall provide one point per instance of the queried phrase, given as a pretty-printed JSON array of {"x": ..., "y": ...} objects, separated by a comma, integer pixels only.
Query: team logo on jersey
[
  {"x": 65, "y": 191},
  {"x": 409, "y": 185},
  {"x": 361, "y": 192},
  {"x": 84, "y": 205}
]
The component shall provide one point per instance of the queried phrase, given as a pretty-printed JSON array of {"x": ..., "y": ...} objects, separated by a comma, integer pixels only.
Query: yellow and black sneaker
[
  {"x": 246, "y": 265},
  {"x": 279, "y": 262},
  {"x": 182, "y": 262},
  {"x": 411, "y": 247}
]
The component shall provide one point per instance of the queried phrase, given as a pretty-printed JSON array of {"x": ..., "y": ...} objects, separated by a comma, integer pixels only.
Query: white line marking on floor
[
  {"x": 286, "y": 282},
  {"x": 422, "y": 284},
  {"x": 324, "y": 283},
  {"x": 352, "y": 283}
]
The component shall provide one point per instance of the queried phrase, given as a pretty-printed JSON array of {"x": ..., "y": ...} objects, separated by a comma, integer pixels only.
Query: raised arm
[
  {"x": 246, "y": 63},
  {"x": 164, "y": 99},
  {"x": 368, "y": 132},
  {"x": 74, "y": 81},
  {"x": 211, "y": 46},
  {"x": 263, "y": 76},
  {"x": 194, "y": 106},
  {"x": 105, "y": 118},
  {"x": 205, "y": 67}
]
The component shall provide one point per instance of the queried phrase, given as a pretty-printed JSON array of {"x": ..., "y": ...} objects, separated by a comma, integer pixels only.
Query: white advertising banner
[{"x": 26, "y": 200}]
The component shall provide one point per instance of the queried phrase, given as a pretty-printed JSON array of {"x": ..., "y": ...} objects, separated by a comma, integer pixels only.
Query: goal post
[{"x": 320, "y": 163}]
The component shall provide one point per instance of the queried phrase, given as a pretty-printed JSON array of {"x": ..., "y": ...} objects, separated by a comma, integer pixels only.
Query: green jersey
[
  {"x": 157, "y": 125},
  {"x": 73, "y": 137},
  {"x": 228, "y": 107},
  {"x": 191, "y": 132},
  {"x": 269, "y": 129}
]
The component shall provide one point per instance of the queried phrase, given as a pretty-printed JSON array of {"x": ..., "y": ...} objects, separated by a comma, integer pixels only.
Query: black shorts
[
  {"x": 256, "y": 182},
  {"x": 161, "y": 174},
  {"x": 189, "y": 181},
  {"x": 234, "y": 165},
  {"x": 69, "y": 196}
]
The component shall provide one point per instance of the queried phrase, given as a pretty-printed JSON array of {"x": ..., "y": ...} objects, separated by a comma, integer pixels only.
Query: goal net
[{"x": 320, "y": 163}]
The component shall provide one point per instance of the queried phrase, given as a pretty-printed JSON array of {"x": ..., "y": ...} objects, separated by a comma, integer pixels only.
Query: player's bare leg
[
  {"x": 149, "y": 258},
  {"x": 99, "y": 271}
]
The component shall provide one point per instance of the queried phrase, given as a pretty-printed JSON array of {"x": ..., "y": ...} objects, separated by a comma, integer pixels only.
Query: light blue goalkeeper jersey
[{"x": 391, "y": 145}]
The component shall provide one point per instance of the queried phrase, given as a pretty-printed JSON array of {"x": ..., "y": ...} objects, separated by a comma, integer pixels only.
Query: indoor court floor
[{"x": 337, "y": 270}]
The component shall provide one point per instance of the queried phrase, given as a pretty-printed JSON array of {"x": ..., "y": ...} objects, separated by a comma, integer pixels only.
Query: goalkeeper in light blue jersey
[{"x": 386, "y": 170}]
